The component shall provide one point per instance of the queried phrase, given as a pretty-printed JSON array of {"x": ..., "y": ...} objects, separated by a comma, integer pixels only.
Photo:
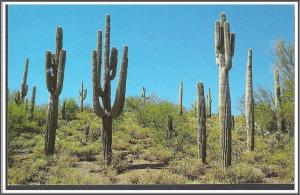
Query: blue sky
[{"x": 167, "y": 43}]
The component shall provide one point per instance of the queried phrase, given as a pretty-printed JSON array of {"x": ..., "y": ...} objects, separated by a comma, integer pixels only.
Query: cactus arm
[
  {"x": 232, "y": 43},
  {"x": 99, "y": 62},
  {"x": 227, "y": 46},
  {"x": 96, "y": 104},
  {"x": 60, "y": 72},
  {"x": 217, "y": 36},
  {"x": 49, "y": 71},
  {"x": 120, "y": 94},
  {"x": 113, "y": 63},
  {"x": 59, "y": 39},
  {"x": 106, "y": 55}
]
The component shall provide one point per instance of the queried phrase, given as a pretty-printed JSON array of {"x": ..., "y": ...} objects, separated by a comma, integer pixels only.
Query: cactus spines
[
  {"x": 170, "y": 126},
  {"x": 201, "y": 119},
  {"x": 208, "y": 104},
  {"x": 63, "y": 111},
  {"x": 32, "y": 104},
  {"x": 24, "y": 86},
  {"x": 278, "y": 108},
  {"x": 249, "y": 104},
  {"x": 82, "y": 96},
  {"x": 17, "y": 98},
  {"x": 106, "y": 111},
  {"x": 180, "y": 98},
  {"x": 224, "y": 49},
  {"x": 55, "y": 66}
]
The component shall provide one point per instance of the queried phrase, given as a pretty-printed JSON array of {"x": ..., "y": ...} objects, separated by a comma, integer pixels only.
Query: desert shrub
[
  {"x": 191, "y": 168},
  {"x": 237, "y": 173},
  {"x": 155, "y": 177}
]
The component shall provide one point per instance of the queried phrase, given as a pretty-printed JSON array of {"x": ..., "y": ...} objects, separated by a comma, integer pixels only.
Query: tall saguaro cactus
[
  {"x": 24, "y": 86},
  {"x": 208, "y": 104},
  {"x": 55, "y": 69},
  {"x": 201, "y": 118},
  {"x": 106, "y": 111},
  {"x": 32, "y": 104},
  {"x": 278, "y": 108},
  {"x": 82, "y": 96},
  {"x": 249, "y": 104},
  {"x": 224, "y": 49},
  {"x": 180, "y": 98}
]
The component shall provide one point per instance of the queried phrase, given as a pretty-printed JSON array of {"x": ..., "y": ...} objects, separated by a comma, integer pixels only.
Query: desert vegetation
[{"x": 148, "y": 140}]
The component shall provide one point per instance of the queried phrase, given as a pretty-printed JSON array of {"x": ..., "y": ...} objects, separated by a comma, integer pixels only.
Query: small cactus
[
  {"x": 32, "y": 103},
  {"x": 208, "y": 104},
  {"x": 278, "y": 106},
  {"x": 180, "y": 98},
  {"x": 63, "y": 111},
  {"x": 201, "y": 118},
  {"x": 170, "y": 130},
  {"x": 55, "y": 69},
  {"x": 224, "y": 50},
  {"x": 232, "y": 121},
  {"x": 82, "y": 96},
  {"x": 106, "y": 111},
  {"x": 249, "y": 104},
  {"x": 17, "y": 97}
]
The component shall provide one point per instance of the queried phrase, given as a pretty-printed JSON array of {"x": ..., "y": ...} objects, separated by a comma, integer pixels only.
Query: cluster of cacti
[
  {"x": 208, "y": 104},
  {"x": 106, "y": 111},
  {"x": 32, "y": 104},
  {"x": 55, "y": 66},
  {"x": 201, "y": 119},
  {"x": 249, "y": 104},
  {"x": 170, "y": 130},
  {"x": 224, "y": 49},
  {"x": 278, "y": 108},
  {"x": 82, "y": 96},
  {"x": 180, "y": 98}
]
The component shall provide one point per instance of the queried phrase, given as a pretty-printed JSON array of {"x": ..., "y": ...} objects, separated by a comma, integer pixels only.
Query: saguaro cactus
[
  {"x": 224, "y": 49},
  {"x": 32, "y": 102},
  {"x": 208, "y": 104},
  {"x": 170, "y": 126},
  {"x": 55, "y": 69},
  {"x": 249, "y": 104},
  {"x": 232, "y": 121},
  {"x": 82, "y": 96},
  {"x": 106, "y": 111},
  {"x": 201, "y": 118},
  {"x": 63, "y": 111},
  {"x": 180, "y": 98},
  {"x": 278, "y": 108},
  {"x": 24, "y": 86}
]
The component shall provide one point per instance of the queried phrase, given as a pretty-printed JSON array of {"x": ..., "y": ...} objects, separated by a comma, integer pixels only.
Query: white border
[{"x": 3, "y": 80}]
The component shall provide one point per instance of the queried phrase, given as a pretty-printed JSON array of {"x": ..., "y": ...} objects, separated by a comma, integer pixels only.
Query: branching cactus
[
  {"x": 32, "y": 103},
  {"x": 208, "y": 104},
  {"x": 180, "y": 98},
  {"x": 82, "y": 96},
  {"x": 224, "y": 49},
  {"x": 278, "y": 108},
  {"x": 143, "y": 95},
  {"x": 24, "y": 86},
  {"x": 249, "y": 104},
  {"x": 106, "y": 111},
  {"x": 55, "y": 69},
  {"x": 63, "y": 111},
  {"x": 201, "y": 118}
]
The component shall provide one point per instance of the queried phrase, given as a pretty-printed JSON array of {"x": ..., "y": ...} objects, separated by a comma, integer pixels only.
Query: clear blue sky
[{"x": 167, "y": 43}]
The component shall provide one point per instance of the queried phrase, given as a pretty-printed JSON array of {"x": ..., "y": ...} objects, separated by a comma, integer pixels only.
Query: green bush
[{"x": 191, "y": 168}]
